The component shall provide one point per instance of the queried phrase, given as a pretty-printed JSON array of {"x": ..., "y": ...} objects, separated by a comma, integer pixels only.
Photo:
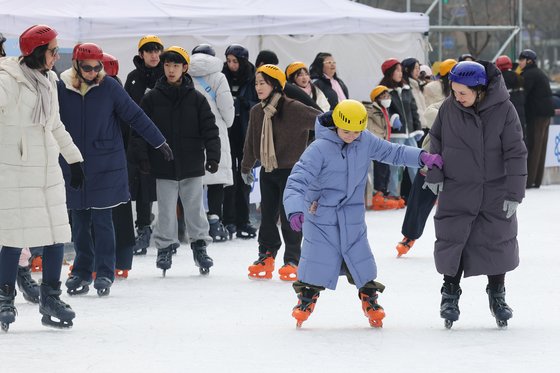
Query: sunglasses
[
  {"x": 89, "y": 68},
  {"x": 54, "y": 51}
]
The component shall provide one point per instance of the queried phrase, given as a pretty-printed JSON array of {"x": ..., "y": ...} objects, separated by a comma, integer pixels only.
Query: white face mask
[{"x": 386, "y": 103}]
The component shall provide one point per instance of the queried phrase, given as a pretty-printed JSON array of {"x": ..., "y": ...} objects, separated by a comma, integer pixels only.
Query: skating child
[
  {"x": 277, "y": 136},
  {"x": 184, "y": 117},
  {"x": 324, "y": 196}
]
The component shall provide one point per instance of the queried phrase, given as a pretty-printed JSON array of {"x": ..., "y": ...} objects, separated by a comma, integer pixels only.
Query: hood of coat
[
  {"x": 171, "y": 91},
  {"x": 150, "y": 73},
  {"x": 11, "y": 66},
  {"x": 325, "y": 129},
  {"x": 497, "y": 92},
  {"x": 204, "y": 64}
]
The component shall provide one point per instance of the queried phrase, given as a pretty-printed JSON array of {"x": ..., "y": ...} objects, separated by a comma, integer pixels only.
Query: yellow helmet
[
  {"x": 377, "y": 91},
  {"x": 293, "y": 67},
  {"x": 181, "y": 51},
  {"x": 350, "y": 115},
  {"x": 274, "y": 72},
  {"x": 149, "y": 39},
  {"x": 446, "y": 66}
]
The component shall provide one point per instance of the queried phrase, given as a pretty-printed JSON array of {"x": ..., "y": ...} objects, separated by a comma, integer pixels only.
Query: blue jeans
[
  {"x": 94, "y": 242},
  {"x": 396, "y": 171},
  {"x": 52, "y": 264}
]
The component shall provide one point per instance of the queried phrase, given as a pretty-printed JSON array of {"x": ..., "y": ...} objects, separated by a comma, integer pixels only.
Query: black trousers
[
  {"x": 272, "y": 192},
  {"x": 537, "y": 138},
  {"x": 215, "y": 197},
  {"x": 494, "y": 281},
  {"x": 381, "y": 172},
  {"x": 124, "y": 235},
  {"x": 420, "y": 203}
]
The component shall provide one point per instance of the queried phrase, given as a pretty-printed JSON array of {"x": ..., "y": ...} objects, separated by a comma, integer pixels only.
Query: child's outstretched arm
[
  {"x": 305, "y": 171},
  {"x": 390, "y": 153}
]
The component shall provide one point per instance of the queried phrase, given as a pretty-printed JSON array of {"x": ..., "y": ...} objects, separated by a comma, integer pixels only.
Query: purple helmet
[{"x": 469, "y": 73}]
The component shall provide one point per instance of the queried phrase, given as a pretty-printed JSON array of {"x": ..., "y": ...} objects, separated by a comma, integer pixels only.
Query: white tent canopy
[{"x": 358, "y": 36}]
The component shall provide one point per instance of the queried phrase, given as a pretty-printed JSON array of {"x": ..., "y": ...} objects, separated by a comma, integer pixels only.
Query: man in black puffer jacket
[
  {"x": 538, "y": 111},
  {"x": 142, "y": 186},
  {"x": 185, "y": 117}
]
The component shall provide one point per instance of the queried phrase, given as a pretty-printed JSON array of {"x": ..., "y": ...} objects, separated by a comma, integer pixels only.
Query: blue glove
[
  {"x": 436, "y": 188},
  {"x": 510, "y": 207},
  {"x": 396, "y": 121}
]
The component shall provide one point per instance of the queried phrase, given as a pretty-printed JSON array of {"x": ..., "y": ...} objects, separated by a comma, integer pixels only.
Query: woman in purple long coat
[{"x": 478, "y": 133}]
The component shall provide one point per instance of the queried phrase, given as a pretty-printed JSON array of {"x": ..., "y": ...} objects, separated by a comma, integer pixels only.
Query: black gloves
[
  {"x": 166, "y": 151},
  {"x": 211, "y": 166},
  {"x": 76, "y": 175}
]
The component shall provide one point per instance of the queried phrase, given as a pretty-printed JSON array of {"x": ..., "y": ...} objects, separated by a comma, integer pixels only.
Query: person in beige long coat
[{"x": 32, "y": 198}]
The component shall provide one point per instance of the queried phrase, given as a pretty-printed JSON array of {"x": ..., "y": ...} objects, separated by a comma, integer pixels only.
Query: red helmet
[
  {"x": 34, "y": 37},
  {"x": 110, "y": 64},
  {"x": 87, "y": 51},
  {"x": 388, "y": 64},
  {"x": 504, "y": 63}
]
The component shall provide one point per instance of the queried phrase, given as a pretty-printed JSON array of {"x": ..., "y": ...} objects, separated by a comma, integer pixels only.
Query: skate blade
[
  {"x": 245, "y": 236},
  {"x": 376, "y": 323},
  {"x": 448, "y": 324},
  {"x": 502, "y": 324},
  {"x": 289, "y": 278},
  {"x": 103, "y": 292},
  {"x": 204, "y": 271},
  {"x": 260, "y": 276},
  {"x": 5, "y": 326},
  {"x": 46, "y": 320},
  {"x": 80, "y": 291}
]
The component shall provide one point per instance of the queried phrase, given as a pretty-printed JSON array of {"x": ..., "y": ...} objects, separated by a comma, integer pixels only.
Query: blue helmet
[
  {"x": 469, "y": 73},
  {"x": 528, "y": 54},
  {"x": 238, "y": 51},
  {"x": 204, "y": 48}
]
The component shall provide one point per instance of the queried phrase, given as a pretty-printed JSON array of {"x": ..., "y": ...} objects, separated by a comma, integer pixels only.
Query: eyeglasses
[
  {"x": 54, "y": 51},
  {"x": 89, "y": 68},
  {"x": 329, "y": 62}
]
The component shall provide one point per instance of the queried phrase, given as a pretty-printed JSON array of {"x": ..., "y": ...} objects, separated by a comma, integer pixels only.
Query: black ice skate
[
  {"x": 217, "y": 230},
  {"x": 51, "y": 306},
  {"x": 103, "y": 286},
  {"x": 165, "y": 258},
  {"x": 142, "y": 241},
  {"x": 201, "y": 258},
  {"x": 8, "y": 311},
  {"x": 449, "y": 309},
  {"x": 231, "y": 229},
  {"x": 76, "y": 285},
  {"x": 28, "y": 287},
  {"x": 246, "y": 231},
  {"x": 498, "y": 306}
]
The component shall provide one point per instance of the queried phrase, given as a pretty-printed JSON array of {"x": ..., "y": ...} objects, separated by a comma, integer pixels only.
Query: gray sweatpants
[{"x": 190, "y": 190}]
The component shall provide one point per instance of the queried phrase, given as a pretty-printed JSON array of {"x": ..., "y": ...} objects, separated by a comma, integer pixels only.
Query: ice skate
[
  {"x": 217, "y": 230},
  {"x": 51, "y": 306},
  {"x": 263, "y": 267},
  {"x": 372, "y": 310},
  {"x": 288, "y": 272},
  {"x": 498, "y": 306},
  {"x": 246, "y": 231},
  {"x": 449, "y": 309},
  {"x": 398, "y": 200},
  {"x": 201, "y": 258},
  {"x": 8, "y": 311},
  {"x": 404, "y": 246},
  {"x": 165, "y": 258},
  {"x": 142, "y": 241},
  {"x": 381, "y": 202},
  {"x": 103, "y": 286},
  {"x": 307, "y": 299},
  {"x": 174, "y": 247},
  {"x": 27, "y": 285},
  {"x": 121, "y": 273},
  {"x": 36, "y": 263},
  {"x": 231, "y": 229},
  {"x": 77, "y": 285}
]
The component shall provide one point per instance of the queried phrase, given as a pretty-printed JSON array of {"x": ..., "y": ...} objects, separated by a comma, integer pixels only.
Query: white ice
[{"x": 228, "y": 323}]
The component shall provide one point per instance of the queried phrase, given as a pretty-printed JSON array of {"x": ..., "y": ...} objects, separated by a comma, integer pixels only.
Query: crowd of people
[{"x": 189, "y": 127}]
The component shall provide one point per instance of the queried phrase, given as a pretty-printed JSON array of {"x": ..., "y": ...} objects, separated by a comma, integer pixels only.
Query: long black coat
[
  {"x": 485, "y": 163},
  {"x": 184, "y": 117},
  {"x": 538, "y": 96}
]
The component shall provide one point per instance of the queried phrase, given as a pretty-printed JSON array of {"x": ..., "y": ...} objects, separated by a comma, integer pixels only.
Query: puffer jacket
[{"x": 33, "y": 201}]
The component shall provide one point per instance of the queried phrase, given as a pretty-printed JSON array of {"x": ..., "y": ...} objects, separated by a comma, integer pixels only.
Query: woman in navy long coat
[
  {"x": 325, "y": 196},
  {"x": 90, "y": 108}
]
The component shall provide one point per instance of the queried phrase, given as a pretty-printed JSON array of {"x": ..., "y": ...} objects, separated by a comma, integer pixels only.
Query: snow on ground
[{"x": 228, "y": 323}]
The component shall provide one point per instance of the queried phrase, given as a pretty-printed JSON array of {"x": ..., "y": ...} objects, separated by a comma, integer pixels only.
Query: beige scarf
[
  {"x": 268, "y": 154},
  {"x": 42, "y": 109}
]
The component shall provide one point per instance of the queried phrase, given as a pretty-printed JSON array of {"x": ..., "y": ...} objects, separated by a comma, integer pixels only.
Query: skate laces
[
  {"x": 306, "y": 301},
  {"x": 371, "y": 301},
  {"x": 262, "y": 258}
]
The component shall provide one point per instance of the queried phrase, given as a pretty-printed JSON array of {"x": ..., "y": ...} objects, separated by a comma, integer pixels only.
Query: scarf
[
  {"x": 268, "y": 154},
  {"x": 42, "y": 109}
]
